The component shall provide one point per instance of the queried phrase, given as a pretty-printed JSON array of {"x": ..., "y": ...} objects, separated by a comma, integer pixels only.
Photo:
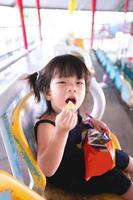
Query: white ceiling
[{"x": 102, "y": 5}]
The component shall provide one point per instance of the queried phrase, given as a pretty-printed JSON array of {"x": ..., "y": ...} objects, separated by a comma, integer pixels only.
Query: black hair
[{"x": 64, "y": 66}]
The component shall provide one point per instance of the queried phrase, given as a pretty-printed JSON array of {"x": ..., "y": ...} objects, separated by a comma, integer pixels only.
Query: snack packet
[
  {"x": 98, "y": 139},
  {"x": 99, "y": 153}
]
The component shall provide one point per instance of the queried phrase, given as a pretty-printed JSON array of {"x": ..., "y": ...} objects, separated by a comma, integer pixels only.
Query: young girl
[{"x": 65, "y": 78}]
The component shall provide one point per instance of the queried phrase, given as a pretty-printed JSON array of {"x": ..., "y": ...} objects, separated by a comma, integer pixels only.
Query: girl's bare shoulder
[{"x": 45, "y": 132}]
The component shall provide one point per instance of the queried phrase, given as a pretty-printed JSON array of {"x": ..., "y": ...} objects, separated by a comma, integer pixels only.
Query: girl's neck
[{"x": 50, "y": 116}]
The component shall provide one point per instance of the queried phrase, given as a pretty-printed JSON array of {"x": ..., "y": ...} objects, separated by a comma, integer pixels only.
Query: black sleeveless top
[{"x": 72, "y": 165}]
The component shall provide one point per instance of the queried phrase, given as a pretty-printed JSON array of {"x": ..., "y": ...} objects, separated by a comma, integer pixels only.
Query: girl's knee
[{"x": 129, "y": 168}]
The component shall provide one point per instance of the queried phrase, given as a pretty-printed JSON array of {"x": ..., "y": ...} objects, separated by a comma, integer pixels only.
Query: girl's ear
[{"x": 48, "y": 96}]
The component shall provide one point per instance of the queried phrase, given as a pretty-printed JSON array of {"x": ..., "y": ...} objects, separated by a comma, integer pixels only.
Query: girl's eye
[
  {"x": 61, "y": 82},
  {"x": 79, "y": 82}
]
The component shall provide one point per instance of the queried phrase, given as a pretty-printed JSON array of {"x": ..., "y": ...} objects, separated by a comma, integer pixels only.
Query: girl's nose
[{"x": 71, "y": 87}]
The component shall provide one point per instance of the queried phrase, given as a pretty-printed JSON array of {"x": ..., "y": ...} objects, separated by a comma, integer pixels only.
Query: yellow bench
[{"x": 22, "y": 118}]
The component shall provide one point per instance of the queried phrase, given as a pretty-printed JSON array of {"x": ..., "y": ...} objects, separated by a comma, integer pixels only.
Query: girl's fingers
[
  {"x": 107, "y": 130},
  {"x": 99, "y": 125},
  {"x": 66, "y": 119},
  {"x": 70, "y": 119}
]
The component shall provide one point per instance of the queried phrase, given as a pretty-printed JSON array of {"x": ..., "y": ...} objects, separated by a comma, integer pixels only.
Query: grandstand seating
[{"x": 122, "y": 76}]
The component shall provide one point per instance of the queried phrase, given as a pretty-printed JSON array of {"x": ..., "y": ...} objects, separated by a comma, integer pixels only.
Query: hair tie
[{"x": 38, "y": 74}]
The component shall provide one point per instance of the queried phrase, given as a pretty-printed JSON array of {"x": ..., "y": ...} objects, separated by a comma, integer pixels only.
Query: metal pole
[
  {"x": 93, "y": 7},
  {"x": 20, "y": 6},
  {"x": 39, "y": 17},
  {"x": 125, "y": 10}
]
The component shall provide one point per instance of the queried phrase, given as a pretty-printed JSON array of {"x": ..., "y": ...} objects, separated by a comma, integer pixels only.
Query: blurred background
[{"x": 32, "y": 32}]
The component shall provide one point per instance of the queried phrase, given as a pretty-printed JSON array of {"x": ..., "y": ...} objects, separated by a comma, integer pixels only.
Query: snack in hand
[{"x": 70, "y": 105}]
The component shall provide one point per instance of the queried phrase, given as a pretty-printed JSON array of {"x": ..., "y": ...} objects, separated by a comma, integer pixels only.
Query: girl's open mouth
[{"x": 72, "y": 99}]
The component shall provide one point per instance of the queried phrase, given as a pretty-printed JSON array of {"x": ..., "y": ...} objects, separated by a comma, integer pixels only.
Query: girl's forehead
[
  {"x": 68, "y": 78},
  {"x": 57, "y": 76},
  {"x": 68, "y": 70}
]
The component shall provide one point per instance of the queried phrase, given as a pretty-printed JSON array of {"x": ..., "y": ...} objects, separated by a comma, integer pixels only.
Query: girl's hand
[
  {"x": 99, "y": 125},
  {"x": 66, "y": 120}
]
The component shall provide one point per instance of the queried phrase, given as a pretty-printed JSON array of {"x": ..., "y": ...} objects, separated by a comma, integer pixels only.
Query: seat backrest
[{"x": 22, "y": 125}]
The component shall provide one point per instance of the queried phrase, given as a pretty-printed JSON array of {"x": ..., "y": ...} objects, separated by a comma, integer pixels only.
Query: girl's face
[{"x": 65, "y": 89}]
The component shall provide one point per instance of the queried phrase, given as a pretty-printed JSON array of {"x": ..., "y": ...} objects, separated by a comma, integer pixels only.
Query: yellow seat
[
  {"x": 22, "y": 121},
  {"x": 12, "y": 188},
  {"x": 39, "y": 180}
]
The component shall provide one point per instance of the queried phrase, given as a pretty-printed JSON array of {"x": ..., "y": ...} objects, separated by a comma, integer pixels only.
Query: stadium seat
[{"x": 127, "y": 92}]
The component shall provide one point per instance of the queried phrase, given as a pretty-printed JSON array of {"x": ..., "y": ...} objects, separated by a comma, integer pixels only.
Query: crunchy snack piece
[{"x": 70, "y": 105}]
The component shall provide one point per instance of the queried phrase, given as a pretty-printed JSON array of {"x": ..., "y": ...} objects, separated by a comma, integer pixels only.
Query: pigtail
[{"x": 35, "y": 81}]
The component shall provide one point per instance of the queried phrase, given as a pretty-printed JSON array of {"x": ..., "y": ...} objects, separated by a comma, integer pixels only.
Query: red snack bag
[{"x": 99, "y": 154}]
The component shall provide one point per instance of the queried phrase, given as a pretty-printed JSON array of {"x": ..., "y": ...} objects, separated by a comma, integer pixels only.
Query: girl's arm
[
  {"x": 97, "y": 124},
  {"x": 52, "y": 141}
]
